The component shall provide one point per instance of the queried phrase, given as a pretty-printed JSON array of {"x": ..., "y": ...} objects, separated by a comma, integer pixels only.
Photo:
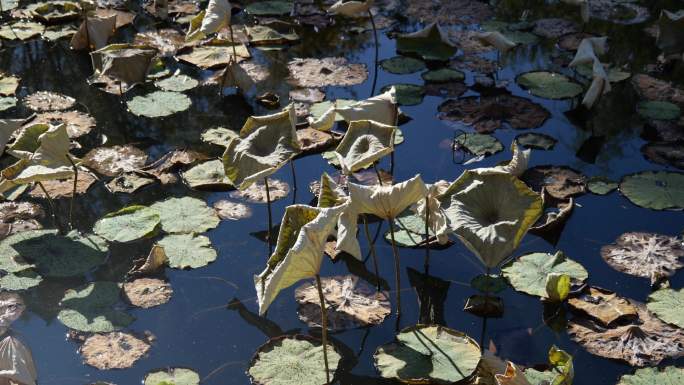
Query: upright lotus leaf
[
  {"x": 647, "y": 255},
  {"x": 351, "y": 8},
  {"x": 384, "y": 201},
  {"x": 7, "y": 128},
  {"x": 647, "y": 376},
  {"x": 431, "y": 207},
  {"x": 126, "y": 64},
  {"x": 530, "y": 272},
  {"x": 516, "y": 166},
  {"x": 265, "y": 144},
  {"x": 330, "y": 194},
  {"x": 491, "y": 212},
  {"x": 496, "y": 40},
  {"x": 657, "y": 190},
  {"x": 216, "y": 17},
  {"x": 431, "y": 43},
  {"x": 16, "y": 362},
  {"x": 667, "y": 305},
  {"x": 94, "y": 33},
  {"x": 588, "y": 52},
  {"x": 365, "y": 142},
  {"x": 128, "y": 224},
  {"x": 49, "y": 161},
  {"x": 90, "y": 308},
  {"x": 671, "y": 32},
  {"x": 381, "y": 108},
  {"x": 303, "y": 233},
  {"x": 185, "y": 215},
  {"x": 428, "y": 354}
]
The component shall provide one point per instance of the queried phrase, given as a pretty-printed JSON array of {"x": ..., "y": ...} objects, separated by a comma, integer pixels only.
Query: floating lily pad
[
  {"x": 479, "y": 144},
  {"x": 209, "y": 174},
  {"x": 536, "y": 141},
  {"x": 402, "y": 65},
  {"x": 549, "y": 85},
  {"x": 667, "y": 305},
  {"x": 282, "y": 359},
  {"x": 185, "y": 215},
  {"x": 330, "y": 71},
  {"x": 256, "y": 192},
  {"x": 21, "y": 280},
  {"x": 658, "y": 110},
  {"x": 657, "y": 190},
  {"x": 7, "y": 102},
  {"x": 528, "y": 273},
  {"x": 111, "y": 161},
  {"x": 648, "y": 376},
  {"x": 443, "y": 75},
  {"x": 128, "y": 224},
  {"x": 428, "y": 354},
  {"x": 8, "y": 85},
  {"x": 349, "y": 302},
  {"x": 407, "y": 94},
  {"x": 618, "y": 11},
  {"x": 177, "y": 83},
  {"x": 600, "y": 185},
  {"x": 603, "y": 305},
  {"x": 476, "y": 111},
  {"x": 232, "y": 210},
  {"x": 8, "y": 5},
  {"x": 188, "y": 251},
  {"x": 265, "y": 37},
  {"x": 115, "y": 350},
  {"x": 172, "y": 376},
  {"x": 560, "y": 182},
  {"x": 147, "y": 292},
  {"x": 214, "y": 55},
  {"x": 219, "y": 136},
  {"x": 269, "y": 8},
  {"x": 159, "y": 104},
  {"x": 48, "y": 101},
  {"x": 90, "y": 308},
  {"x": 614, "y": 74}
]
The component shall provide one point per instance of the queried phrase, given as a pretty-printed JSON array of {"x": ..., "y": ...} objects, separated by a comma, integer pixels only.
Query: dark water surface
[{"x": 197, "y": 330}]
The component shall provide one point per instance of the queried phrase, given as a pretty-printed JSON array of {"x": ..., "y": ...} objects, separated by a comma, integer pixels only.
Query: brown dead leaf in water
[
  {"x": 111, "y": 161},
  {"x": 171, "y": 162},
  {"x": 603, "y": 305},
  {"x": 48, "y": 101},
  {"x": 665, "y": 153},
  {"x": 307, "y": 95},
  {"x": 651, "y": 88},
  {"x": 155, "y": 261},
  {"x": 449, "y": 12},
  {"x": 488, "y": 113},
  {"x": 147, "y": 292},
  {"x": 571, "y": 41},
  {"x": 554, "y": 28},
  {"x": 647, "y": 255},
  {"x": 256, "y": 192},
  {"x": 474, "y": 63},
  {"x": 63, "y": 188},
  {"x": 349, "y": 302},
  {"x": 116, "y": 350},
  {"x": 123, "y": 18},
  {"x": 556, "y": 213},
  {"x": 167, "y": 41},
  {"x": 232, "y": 210},
  {"x": 560, "y": 182},
  {"x": 313, "y": 141},
  {"x": 331, "y": 71},
  {"x": 77, "y": 123},
  {"x": 129, "y": 182}
]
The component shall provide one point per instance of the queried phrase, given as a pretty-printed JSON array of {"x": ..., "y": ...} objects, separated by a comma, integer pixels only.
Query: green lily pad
[
  {"x": 172, "y": 376},
  {"x": 128, "y": 224},
  {"x": 657, "y": 190},
  {"x": 210, "y": 174},
  {"x": 600, "y": 185},
  {"x": 22, "y": 280},
  {"x": 443, "y": 75},
  {"x": 219, "y": 136},
  {"x": 188, "y": 251},
  {"x": 402, "y": 65},
  {"x": 7, "y": 102},
  {"x": 8, "y": 85},
  {"x": 428, "y": 354},
  {"x": 407, "y": 94},
  {"x": 269, "y": 8},
  {"x": 159, "y": 104},
  {"x": 549, "y": 85},
  {"x": 489, "y": 283},
  {"x": 529, "y": 272},
  {"x": 652, "y": 376},
  {"x": 186, "y": 215},
  {"x": 667, "y": 305},
  {"x": 292, "y": 359},
  {"x": 177, "y": 83},
  {"x": 55, "y": 255},
  {"x": 479, "y": 144},
  {"x": 614, "y": 74},
  {"x": 536, "y": 141},
  {"x": 90, "y": 308},
  {"x": 658, "y": 110}
]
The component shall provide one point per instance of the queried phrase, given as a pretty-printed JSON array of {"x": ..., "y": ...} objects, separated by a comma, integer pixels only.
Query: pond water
[{"x": 198, "y": 329}]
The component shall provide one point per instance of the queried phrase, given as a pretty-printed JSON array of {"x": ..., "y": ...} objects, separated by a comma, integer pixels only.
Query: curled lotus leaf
[
  {"x": 603, "y": 306},
  {"x": 331, "y": 71},
  {"x": 350, "y": 303},
  {"x": 667, "y": 304},
  {"x": 364, "y": 143},
  {"x": 174, "y": 376},
  {"x": 128, "y": 224},
  {"x": 380, "y": 108},
  {"x": 185, "y": 215},
  {"x": 111, "y": 161},
  {"x": 54, "y": 12},
  {"x": 647, "y": 255},
  {"x": 297, "y": 358},
  {"x": 645, "y": 341},
  {"x": 261, "y": 35},
  {"x": 188, "y": 251},
  {"x": 528, "y": 273},
  {"x": 159, "y": 104},
  {"x": 94, "y": 32},
  {"x": 210, "y": 174},
  {"x": 147, "y": 292},
  {"x": 428, "y": 354},
  {"x": 213, "y": 55},
  {"x": 552, "y": 222},
  {"x": 479, "y": 144},
  {"x": 657, "y": 190},
  {"x": 559, "y": 182},
  {"x": 256, "y": 193},
  {"x": 647, "y": 376},
  {"x": 90, "y": 308},
  {"x": 549, "y": 85},
  {"x": 430, "y": 43},
  {"x": 115, "y": 350},
  {"x": 119, "y": 67},
  {"x": 487, "y": 113}
]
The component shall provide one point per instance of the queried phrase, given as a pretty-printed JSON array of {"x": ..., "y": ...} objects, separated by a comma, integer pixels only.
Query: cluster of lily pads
[{"x": 488, "y": 209}]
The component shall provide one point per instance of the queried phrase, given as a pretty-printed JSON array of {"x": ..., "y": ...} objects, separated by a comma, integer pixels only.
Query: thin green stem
[
  {"x": 371, "y": 244},
  {"x": 73, "y": 192},
  {"x": 397, "y": 273},
  {"x": 324, "y": 327},
  {"x": 484, "y": 321}
]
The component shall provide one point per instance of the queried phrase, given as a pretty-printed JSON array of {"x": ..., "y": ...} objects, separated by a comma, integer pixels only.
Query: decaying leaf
[
  {"x": 350, "y": 303},
  {"x": 488, "y": 113},
  {"x": 111, "y": 161},
  {"x": 147, "y": 292},
  {"x": 560, "y": 182},
  {"x": 364, "y": 143},
  {"x": 11, "y": 308},
  {"x": 167, "y": 41},
  {"x": 48, "y": 101},
  {"x": 208, "y": 175},
  {"x": 94, "y": 33},
  {"x": 154, "y": 262},
  {"x": 129, "y": 182},
  {"x": 16, "y": 362},
  {"x": 64, "y": 188},
  {"x": 115, "y": 350},
  {"x": 449, "y": 11},
  {"x": 332, "y": 71},
  {"x": 554, "y": 28},
  {"x": 77, "y": 123},
  {"x": 232, "y": 210},
  {"x": 603, "y": 305}
]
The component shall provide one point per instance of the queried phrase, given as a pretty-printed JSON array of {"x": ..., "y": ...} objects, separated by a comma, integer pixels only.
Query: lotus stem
[
  {"x": 377, "y": 173},
  {"x": 371, "y": 244},
  {"x": 377, "y": 48},
  {"x": 294, "y": 176},
  {"x": 270, "y": 217},
  {"x": 397, "y": 273},
  {"x": 73, "y": 192},
  {"x": 51, "y": 203},
  {"x": 232, "y": 60},
  {"x": 484, "y": 321},
  {"x": 324, "y": 327},
  {"x": 85, "y": 25},
  {"x": 427, "y": 235}
]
